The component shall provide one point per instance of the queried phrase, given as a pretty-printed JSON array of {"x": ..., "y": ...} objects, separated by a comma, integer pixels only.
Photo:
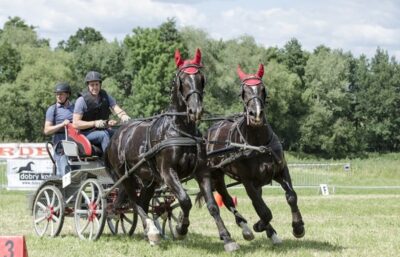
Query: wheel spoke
[
  {"x": 57, "y": 208},
  {"x": 55, "y": 219},
  {"x": 84, "y": 227},
  {"x": 42, "y": 206},
  {"x": 82, "y": 211},
  {"x": 53, "y": 199},
  {"x": 97, "y": 222},
  {"x": 87, "y": 200},
  {"x": 125, "y": 218},
  {"x": 93, "y": 192},
  {"x": 39, "y": 220},
  {"x": 91, "y": 230},
  {"x": 98, "y": 212},
  {"x": 99, "y": 196},
  {"x": 47, "y": 197},
  {"x": 45, "y": 228},
  {"x": 111, "y": 224},
  {"x": 116, "y": 226}
]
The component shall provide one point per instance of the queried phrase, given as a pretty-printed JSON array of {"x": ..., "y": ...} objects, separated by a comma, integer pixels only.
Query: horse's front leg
[
  {"x": 285, "y": 181},
  {"x": 204, "y": 181},
  {"x": 265, "y": 214},
  {"x": 220, "y": 186},
  {"x": 171, "y": 179}
]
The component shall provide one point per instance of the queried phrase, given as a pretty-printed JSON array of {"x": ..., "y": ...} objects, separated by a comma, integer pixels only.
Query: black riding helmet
[
  {"x": 92, "y": 76},
  {"x": 62, "y": 87}
]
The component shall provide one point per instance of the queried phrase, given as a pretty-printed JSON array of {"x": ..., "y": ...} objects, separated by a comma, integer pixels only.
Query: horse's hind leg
[
  {"x": 150, "y": 228},
  {"x": 220, "y": 186},
  {"x": 291, "y": 197},
  {"x": 255, "y": 194}
]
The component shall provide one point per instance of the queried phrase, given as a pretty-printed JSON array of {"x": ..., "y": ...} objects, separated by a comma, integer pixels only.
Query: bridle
[
  {"x": 178, "y": 82},
  {"x": 253, "y": 97}
]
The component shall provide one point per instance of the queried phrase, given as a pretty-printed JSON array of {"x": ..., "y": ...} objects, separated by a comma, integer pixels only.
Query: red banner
[{"x": 23, "y": 150}]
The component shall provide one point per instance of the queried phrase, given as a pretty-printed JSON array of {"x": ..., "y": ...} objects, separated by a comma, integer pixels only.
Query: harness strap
[
  {"x": 236, "y": 126},
  {"x": 169, "y": 142},
  {"x": 150, "y": 161}
]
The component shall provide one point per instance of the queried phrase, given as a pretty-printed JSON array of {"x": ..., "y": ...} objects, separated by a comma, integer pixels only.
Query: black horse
[
  {"x": 246, "y": 149},
  {"x": 27, "y": 167},
  {"x": 167, "y": 149}
]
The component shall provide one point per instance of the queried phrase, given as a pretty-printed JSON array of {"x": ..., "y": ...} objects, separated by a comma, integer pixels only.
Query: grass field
[{"x": 351, "y": 222}]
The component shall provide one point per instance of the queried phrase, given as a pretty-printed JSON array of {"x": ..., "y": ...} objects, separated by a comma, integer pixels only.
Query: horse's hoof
[
  {"x": 154, "y": 243},
  {"x": 232, "y": 246},
  {"x": 299, "y": 232},
  {"x": 152, "y": 233},
  {"x": 178, "y": 236},
  {"x": 154, "y": 238},
  {"x": 246, "y": 232},
  {"x": 298, "y": 229},
  {"x": 275, "y": 239},
  {"x": 248, "y": 235}
]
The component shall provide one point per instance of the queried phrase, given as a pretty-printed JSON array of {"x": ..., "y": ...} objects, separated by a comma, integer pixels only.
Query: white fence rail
[{"x": 315, "y": 174}]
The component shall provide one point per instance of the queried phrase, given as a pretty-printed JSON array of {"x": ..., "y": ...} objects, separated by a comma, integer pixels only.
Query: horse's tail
[{"x": 107, "y": 165}]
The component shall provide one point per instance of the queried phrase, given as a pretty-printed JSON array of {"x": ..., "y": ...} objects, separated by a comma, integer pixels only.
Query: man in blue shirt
[
  {"x": 92, "y": 111},
  {"x": 58, "y": 116}
]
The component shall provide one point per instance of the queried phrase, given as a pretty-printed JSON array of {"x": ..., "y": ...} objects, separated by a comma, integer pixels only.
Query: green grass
[
  {"x": 3, "y": 174},
  {"x": 351, "y": 222},
  {"x": 337, "y": 225}
]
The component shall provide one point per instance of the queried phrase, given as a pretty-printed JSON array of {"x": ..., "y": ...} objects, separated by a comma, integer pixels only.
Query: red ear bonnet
[
  {"x": 196, "y": 61},
  {"x": 178, "y": 59},
  {"x": 197, "y": 57},
  {"x": 251, "y": 79},
  {"x": 241, "y": 74},
  {"x": 260, "y": 72}
]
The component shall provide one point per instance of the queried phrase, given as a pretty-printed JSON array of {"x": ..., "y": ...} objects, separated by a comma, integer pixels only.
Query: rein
[{"x": 159, "y": 116}]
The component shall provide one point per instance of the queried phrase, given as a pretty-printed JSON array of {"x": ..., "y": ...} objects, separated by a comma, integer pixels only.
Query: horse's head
[
  {"x": 189, "y": 85},
  {"x": 253, "y": 95}
]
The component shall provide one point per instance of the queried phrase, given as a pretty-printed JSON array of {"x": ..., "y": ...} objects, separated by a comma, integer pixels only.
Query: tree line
[{"x": 326, "y": 102}]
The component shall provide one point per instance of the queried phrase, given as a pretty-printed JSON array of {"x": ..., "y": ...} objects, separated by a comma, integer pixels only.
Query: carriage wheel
[
  {"x": 48, "y": 211},
  {"x": 90, "y": 210},
  {"x": 124, "y": 223},
  {"x": 165, "y": 215}
]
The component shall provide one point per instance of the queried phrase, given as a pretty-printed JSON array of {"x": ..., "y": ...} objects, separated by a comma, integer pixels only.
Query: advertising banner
[
  {"x": 27, "y": 174},
  {"x": 23, "y": 150}
]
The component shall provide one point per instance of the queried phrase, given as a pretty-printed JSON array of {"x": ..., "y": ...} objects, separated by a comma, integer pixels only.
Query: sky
[{"x": 351, "y": 25}]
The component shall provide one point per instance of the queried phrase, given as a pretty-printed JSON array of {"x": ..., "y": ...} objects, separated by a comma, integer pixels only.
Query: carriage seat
[{"x": 85, "y": 148}]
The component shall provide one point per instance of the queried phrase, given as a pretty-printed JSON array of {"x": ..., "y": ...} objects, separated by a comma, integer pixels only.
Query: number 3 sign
[{"x": 13, "y": 246}]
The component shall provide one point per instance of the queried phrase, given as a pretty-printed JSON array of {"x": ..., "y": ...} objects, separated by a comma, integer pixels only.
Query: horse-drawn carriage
[{"x": 150, "y": 158}]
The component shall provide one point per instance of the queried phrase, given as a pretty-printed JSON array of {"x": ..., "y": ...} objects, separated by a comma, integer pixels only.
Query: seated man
[
  {"x": 58, "y": 116},
  {"x": 92, "y": 112}
]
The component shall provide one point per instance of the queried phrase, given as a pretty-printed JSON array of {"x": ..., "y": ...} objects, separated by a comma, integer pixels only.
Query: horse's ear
[
  {"x": 260, "y": 72},
  {"x": 197, "y": 57},
  {"x": 241, "y": 74},
  {"x": 178, "y": 59}
]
